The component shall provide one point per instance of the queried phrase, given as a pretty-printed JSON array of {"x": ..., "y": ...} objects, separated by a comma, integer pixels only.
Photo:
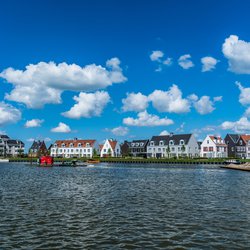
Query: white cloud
[
  {"x": 240, "y": 126},
  {"x": 43, "y": 83},
  {"x": 8, "y": 114},
  {"x": 244, "y": 98},
  {"x": 135, "y": 102},
  {"x": 30, "y": 139},
  {"x": 168, "y": 61},
  {"x": 61, "y": 128},
  {"x": 238, "y": 54},
  {"x": 170, "y": 101},
  {"x": 208, "y": 63},
  {"x": 119, "y": 131},
  {"x": 33, "y": 123},
  {"x": 218, "y": 98},
  {"x": 147, "y": 120},
  {"x": 204, "y": 105},
  {"x": 185, "y": 62},
  {"x": 88, "y": 105},
  {"x": 156, "y": 55},
  {"x": 164, "y": 132},
  {"x": 247, "y": 112}
]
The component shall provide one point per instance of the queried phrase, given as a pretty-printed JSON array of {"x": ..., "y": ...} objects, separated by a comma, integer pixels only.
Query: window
[
  {"x": 232, "y": 148},
  {"x": 207, "y": 141},
  {"x": 63, "y": 145},
  {"x": 205, "y": 149},
  {"x": 71, "y": 145},
  {"x": 87, "y": 144},
  {"x": 159, "y": 149},
  {"x": 248, "y": 142},
  {"x": 181, "y": 142},
  {"x": 132, "y": 144},
  {"x": 172, "y": 149},
  {"x": 152, "y": 143},
  {"x": 240, "y": 142},
  {"x": 79, "y": 145},
  {"x": 171, "y": 142},
  {"x": 141, "y": 144},
  {"x": 137, "y": 144},
  {"x": 161, "y": 143},
  {"x": 55, "y": 145}
]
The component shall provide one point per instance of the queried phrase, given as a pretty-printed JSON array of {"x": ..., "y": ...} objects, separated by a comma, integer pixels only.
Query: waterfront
[{"x": 124, "y": 207}]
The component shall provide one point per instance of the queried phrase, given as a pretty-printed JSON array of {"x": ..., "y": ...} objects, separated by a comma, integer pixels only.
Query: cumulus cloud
[
  {"x": 244, "y": 98},
  {"x": 9, "y": 114},
  {"x": 238, "y": 54},
  {"x": 170, "y": 101},
  {"x": 119, "y": 131},
  {"x": 33, "y": 123},
  {"x": 208, "y": 63},
  {"x": 204, "y": 105},
  {"x": 156, "y": 55},
  {"x": 247, "y": 112},
  {"x": 240, "y": 126},
  {"x": 88, "y": 105},
  {"x": 43, "y": 83},
  {"x": 185, "y": 62},
  {"x": 61, "y": 128},
  {"x": 135, "y": 102},
  {"x": 147, "y": 120},
  {"x": 164, "y": 132}
]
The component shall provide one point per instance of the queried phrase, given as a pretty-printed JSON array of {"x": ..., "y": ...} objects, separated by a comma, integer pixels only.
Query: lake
[{"x": 118, "y": 206}]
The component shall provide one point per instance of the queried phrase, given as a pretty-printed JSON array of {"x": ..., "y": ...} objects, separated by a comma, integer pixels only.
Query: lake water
[{"x": 124, "y": 207}]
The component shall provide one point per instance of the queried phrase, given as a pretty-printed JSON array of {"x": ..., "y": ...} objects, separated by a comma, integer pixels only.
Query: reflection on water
[{"x": 124, "y": 207}]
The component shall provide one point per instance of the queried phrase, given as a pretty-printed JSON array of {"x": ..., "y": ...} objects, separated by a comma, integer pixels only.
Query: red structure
[{"x": 46, "y": 161}]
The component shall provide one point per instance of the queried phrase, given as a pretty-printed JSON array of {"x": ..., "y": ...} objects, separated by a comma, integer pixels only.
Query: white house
[
  {"x": 166, "y": 146},
  {"x": 74, "y": 148},
  {"x": 110, "y": 148},
  {"x": 10, "y": 147},
  {"x": 213, "y": 147}
]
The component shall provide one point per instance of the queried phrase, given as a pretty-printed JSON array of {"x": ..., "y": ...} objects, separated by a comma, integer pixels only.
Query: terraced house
[
  {"x": 214, "y": 147},
  {"x": 74, "y": 148},
  {"x": 135, "y": 148},
  {"x": 173, "y": 145},
  {"x": 10, "y": 147}
]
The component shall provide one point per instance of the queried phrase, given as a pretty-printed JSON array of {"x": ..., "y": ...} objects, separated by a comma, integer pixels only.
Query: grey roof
[
  {"x": 37, "y": 145},
  {"x": 144, "y": 142},
  {"x": 166, "y": 138},
  {"x": 234, "y": 137},
  {"x": 15, "y": 142},
  {"x": 4, "y": 136}
]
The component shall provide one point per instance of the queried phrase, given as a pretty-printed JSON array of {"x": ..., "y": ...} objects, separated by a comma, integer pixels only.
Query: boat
[
  {"x": 46, "y": 161},
  {"x": 232, "y": 161},
  {"x": 93, "y": 161}
]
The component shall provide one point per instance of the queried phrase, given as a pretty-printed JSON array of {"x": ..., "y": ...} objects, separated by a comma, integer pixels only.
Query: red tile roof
[
  {"x": 221, "y": 141},
  {"x": 112, "y": 144},
  {"x": 245, "y": 137}
]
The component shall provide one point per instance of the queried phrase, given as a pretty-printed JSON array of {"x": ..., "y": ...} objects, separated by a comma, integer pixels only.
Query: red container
[{"x": 46, "y": 161}]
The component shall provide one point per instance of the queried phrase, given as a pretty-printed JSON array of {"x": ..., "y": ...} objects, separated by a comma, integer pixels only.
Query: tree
[
  {"x": 183, "y": 148},
  {"x": 168, "y": 151},
  {"x": 109, "y": 152},
  {"x": 94, "y": 152}
]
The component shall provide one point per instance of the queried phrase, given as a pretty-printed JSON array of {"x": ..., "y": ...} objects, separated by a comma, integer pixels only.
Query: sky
[{"x": 123, "y": 69}]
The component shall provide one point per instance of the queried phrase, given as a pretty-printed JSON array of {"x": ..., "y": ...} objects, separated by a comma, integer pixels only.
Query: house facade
[
  {"x": 168, "y": 146},
  {"x": 135, "y": 148},
  {"x": 213, "y": 147},
  {"x": 74, "y": 148},
  {"x": 10, "y": 147},
  {"x": 37, "y": 149},
  {"x": 242, "y": 147},
  {"x": 110, "y": 148},
  {"x": 231, "y": 140}
]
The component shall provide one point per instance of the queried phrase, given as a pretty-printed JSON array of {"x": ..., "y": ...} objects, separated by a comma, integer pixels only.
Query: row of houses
[
  {"x": 10, "y": 147},
  {"x": 162, "y": 146}
]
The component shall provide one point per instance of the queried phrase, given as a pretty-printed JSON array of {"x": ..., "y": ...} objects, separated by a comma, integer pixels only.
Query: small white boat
[{"x": 4, "y": 160}]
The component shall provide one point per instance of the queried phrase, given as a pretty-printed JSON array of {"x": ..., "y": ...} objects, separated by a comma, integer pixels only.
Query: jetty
[{"x": 243, "y": 167}]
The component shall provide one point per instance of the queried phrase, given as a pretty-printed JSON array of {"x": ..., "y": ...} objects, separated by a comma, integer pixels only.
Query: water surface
[{"x": 124, "y": 207}]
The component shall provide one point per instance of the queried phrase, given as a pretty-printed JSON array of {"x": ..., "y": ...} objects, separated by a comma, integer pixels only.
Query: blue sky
[{"x": 123, "y": 69}]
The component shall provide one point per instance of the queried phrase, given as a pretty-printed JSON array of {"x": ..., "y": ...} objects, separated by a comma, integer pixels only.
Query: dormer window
[
  {"x": 63, "y": 145},
  {"x": 137, "y": 144},
  {"x": 181, "y": 142},
  {"x": 171, "y": 142},
  {"x": 240, "y": 142},
  {"x": 141, "y": 144},
  {"x": 161, "y": 143},
  {"x": 132, "y": 144},
  {"x": 71, "y": 145},
  {"x": 55, "y": 145},
  {"x": 79, "y": 145},
  {"x": 152, "y": 143},
  {"x": 87, "y": 144}
]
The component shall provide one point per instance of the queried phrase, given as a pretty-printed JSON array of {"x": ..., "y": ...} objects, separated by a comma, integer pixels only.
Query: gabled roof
[
  {"x": 100, "y": 147},
  {"x": 4, "y": 137},
  {"x": 175, "y": 138},
  {"x": 218, "y": 141},
  {"x": 112, "y": 144},
  {"x": 37, "y": 145},
  {"x": 74, "y": 143},
  {"x": 234, "y": 137},
  {"x": 245, "y": 138}
]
